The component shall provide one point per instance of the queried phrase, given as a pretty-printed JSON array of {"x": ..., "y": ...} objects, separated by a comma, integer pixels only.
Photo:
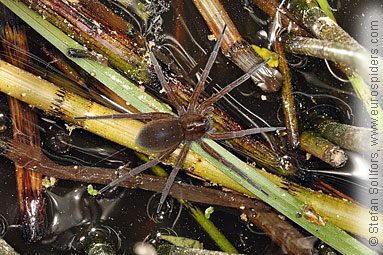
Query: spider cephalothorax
[
  {"x": 194, "y": 126},
  {"x": 165, "y": 132}
]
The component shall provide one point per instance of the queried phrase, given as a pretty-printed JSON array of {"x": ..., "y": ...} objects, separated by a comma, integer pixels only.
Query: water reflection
[
  {"x": 76, "y": 222},
  {"x": 69, "y": 210},
  {"x": 3, "y": 225},
  {"x": 166, "y": 212}
]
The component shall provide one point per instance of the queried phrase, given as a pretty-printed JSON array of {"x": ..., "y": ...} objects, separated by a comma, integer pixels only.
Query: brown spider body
[
  {"x": 160, "y": 135},
  {"x": 166, "y": 132},
  {"x": 194, "y": 126}
]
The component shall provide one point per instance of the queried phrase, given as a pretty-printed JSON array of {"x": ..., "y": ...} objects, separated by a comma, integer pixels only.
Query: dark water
[{"x": 128, "y": 216}]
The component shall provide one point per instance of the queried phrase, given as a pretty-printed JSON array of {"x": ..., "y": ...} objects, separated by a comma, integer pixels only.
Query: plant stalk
[
  {"x": 34, "y": 160},
  {"x": 57, "y": 102},
  {"x": 25, "y": 130},
  {"x": 324, "y": 28},
  {"x": 291, "y": 121},
  {"x": 323, "y": 149},
  {"x": 222, "y": 242},
  {"x": 123, "y": 52},
  {"x": 355, "y": 58},
  {"x": 339, "y": 211},
  {"x": 235, "y": 47},
  {"x": 349, "y": 137}
]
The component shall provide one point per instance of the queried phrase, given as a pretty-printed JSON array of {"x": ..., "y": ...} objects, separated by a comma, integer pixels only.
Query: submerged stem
[
  {"x": 291, "y": 121},
  {"x": 323, "y": 27},
  {"x": 354, "y": 57},
  {"x": 323, "y": 149},
  {"x": 320, "y": 24},
  {"x": 347, "y": 136}
]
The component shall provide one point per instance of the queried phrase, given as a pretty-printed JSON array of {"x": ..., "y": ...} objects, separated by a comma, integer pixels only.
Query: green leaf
[
  {"x": 208, "y": 212},
  {"x": 284, "y": 202},
  {"x": 182, "y": 241},
  {"x": 323, "y": 4},
  {"x": 265, "y": 54},
  {"x": 106, "y": 75},
  {"x": 92, "y": 191}
]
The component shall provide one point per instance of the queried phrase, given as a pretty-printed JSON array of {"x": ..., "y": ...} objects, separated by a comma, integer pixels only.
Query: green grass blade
[
  {"x": 112, "y": 79},
  {"x": 323, "y": 4},
  {"x": 285, "y": 203}
]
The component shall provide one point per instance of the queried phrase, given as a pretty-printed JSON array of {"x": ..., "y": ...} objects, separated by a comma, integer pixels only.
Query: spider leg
[
  {"x": 214, "y": 98},
  {"x": 218, "y": 157},
  {"x": 200, "y": 85},
  {"x": 240, "y": 133},
  {"x": 137, "y": 170},
  {"x": 136, "y": 116},
  {"x": 173, "y": 174},
  {"x": 164, "y": 83}
]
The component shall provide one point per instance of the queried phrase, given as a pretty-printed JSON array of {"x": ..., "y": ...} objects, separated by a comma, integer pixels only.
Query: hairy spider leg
[
  {"x": 157, "y": 69},
  {"x": 214, "y": 98},
  {"x": 240, "y": 133},
  {"x": 137, "y": 170},
  {"x": 200, "y": 85},
  {"x": 169, "y": 182},
  {"x": 218, "y": 157},
  {"x": 136, "y": 116}
]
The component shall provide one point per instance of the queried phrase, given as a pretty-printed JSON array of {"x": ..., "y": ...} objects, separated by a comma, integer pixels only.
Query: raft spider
[{"x": 165, "y": 132}]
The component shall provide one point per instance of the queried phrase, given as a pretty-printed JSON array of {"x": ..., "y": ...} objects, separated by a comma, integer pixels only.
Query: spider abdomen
[{"x": 160, "y": 135}]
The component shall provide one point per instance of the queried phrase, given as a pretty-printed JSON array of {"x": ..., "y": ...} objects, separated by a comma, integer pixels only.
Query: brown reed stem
[
  {"x": 235, "y": 47},
  {"x": 34, "y": 160},
  {"x": 25, "y": 130}
]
